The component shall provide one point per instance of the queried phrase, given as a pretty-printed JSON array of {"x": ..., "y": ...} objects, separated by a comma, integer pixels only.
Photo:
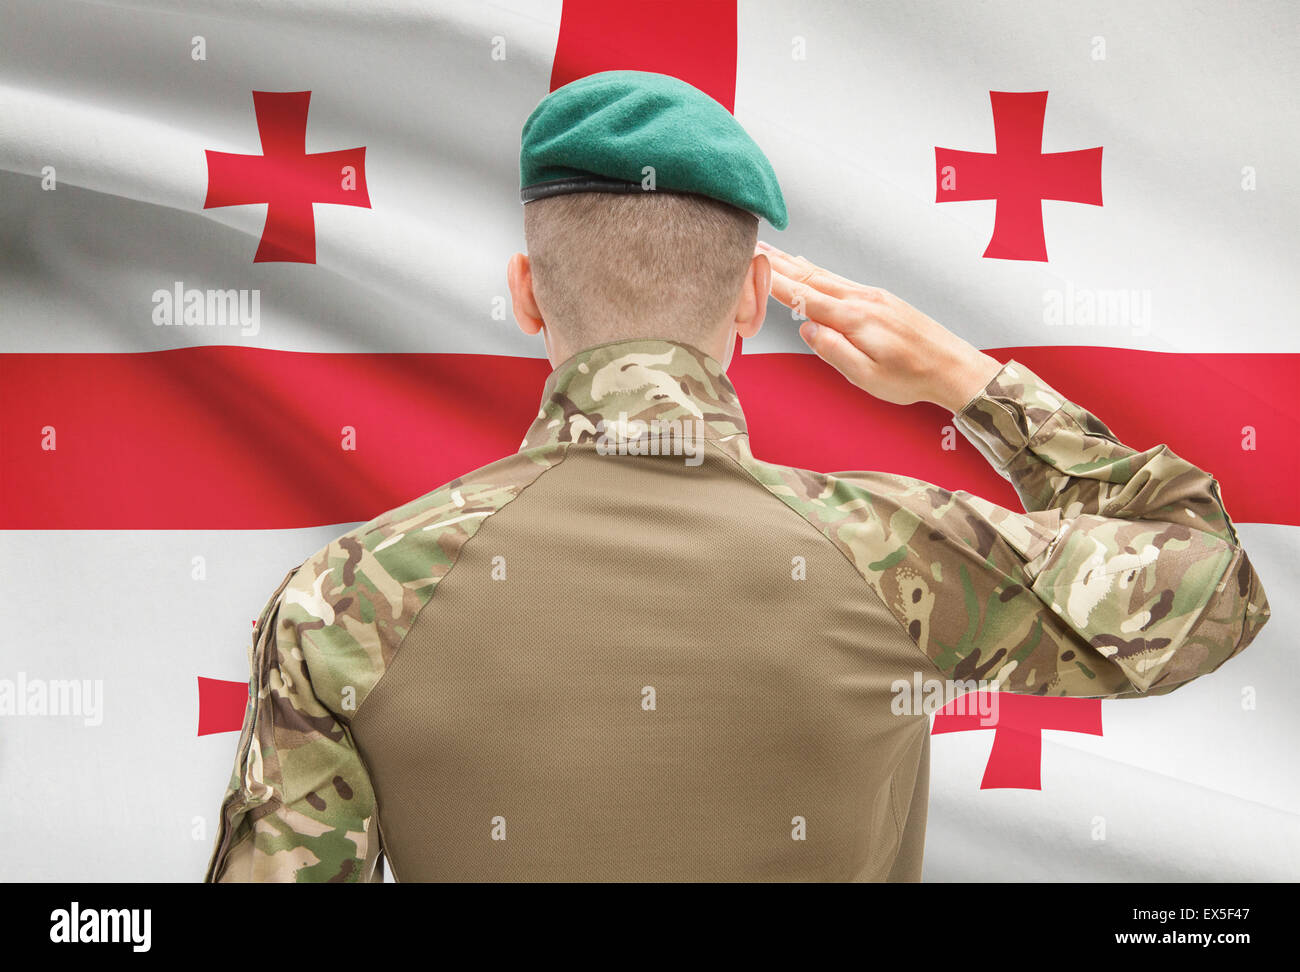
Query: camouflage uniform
[{"x": 517, "y": 696}]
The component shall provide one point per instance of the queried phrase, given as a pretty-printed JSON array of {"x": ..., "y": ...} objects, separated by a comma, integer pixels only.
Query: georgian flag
[{"x": 252, "y": 293}]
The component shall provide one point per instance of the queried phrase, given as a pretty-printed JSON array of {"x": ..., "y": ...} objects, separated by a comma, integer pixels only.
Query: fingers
[
  {"x": 806, "y": 272},
  {"x": 837, "y": 351},
  {"x": 812, "y": 303},
  {"x": 815, "y": 292}
]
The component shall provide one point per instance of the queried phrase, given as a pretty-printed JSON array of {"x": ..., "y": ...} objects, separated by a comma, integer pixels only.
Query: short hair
[{"x": 609, "y": 266}]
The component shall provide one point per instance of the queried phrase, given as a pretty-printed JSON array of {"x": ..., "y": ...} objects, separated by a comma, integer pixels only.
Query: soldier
[{"x": 635, "y": 651}]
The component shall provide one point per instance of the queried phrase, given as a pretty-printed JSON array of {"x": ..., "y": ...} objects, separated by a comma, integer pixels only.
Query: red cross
[
  {"x": 286, "y": 178},
  {"x": 1019, "y": 176},
  {"x": 221, "y": 705},
  {"x": 1016, "y": 759}
]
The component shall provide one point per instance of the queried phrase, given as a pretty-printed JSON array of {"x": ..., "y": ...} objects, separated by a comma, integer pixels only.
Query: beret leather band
[{"x": 591, "y": 183}]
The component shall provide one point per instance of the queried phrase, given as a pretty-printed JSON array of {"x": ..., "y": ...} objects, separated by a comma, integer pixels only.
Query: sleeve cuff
[{"x": 1012, "y": 408}]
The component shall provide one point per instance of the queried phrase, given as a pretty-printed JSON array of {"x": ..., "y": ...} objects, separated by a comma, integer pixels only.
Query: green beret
[{"x": 598, "y": 133}]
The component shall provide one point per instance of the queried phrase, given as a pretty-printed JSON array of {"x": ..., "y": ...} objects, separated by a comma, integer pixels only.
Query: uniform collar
[{"x": 628, "y": 389}]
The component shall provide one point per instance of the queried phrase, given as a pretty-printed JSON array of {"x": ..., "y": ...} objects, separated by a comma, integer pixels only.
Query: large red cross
[
  {"x": 693, "y": 40},
  {"x": 1016, "y": 759},
  {"x": 286, "y": 178},
  {"x": 1018, "y": 175}
]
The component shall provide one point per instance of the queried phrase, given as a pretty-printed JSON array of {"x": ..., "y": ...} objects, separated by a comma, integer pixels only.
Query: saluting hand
[{"x": 878, "y": 341}]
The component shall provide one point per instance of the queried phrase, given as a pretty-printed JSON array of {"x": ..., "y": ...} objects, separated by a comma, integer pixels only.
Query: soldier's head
[
  {"x": 642, "y": 199},
  {"x": 605, "y": 266}
]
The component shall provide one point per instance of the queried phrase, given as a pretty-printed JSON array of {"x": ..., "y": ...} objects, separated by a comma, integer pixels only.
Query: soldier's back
[{"x": 643, "y": 670}]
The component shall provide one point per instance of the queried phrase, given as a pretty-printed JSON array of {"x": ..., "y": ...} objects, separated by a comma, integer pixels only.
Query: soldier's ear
[
  {"x": 519, "y": 278},
  {"x": 751, "y": 308}
]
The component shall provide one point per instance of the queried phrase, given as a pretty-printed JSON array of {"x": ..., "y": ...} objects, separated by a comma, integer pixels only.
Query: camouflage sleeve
[
  {"x": 299, "y": 805},
  {"x": 1123, "y": 578},
  {"x": 1060, "y": 456},
  {"x": 1144, "y": 570}
]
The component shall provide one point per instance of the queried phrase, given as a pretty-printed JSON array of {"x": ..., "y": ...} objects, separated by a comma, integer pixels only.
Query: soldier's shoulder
[
  {"x": 830, "y": 498},
  {"x": 358, "y": 595},
  {"x": 455, "y": 508},
  {"x": 409, "y": 542},
  {"x": 880, "y": 519}
]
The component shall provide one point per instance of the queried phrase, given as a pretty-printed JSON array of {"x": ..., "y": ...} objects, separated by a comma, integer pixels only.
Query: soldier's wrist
[{"x": 965, "y": 380}]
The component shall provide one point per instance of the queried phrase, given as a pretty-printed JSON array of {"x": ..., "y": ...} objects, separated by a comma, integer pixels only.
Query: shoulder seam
[
  {"x": 415, "y": 617},
  {"x": 840, "y": 550}
]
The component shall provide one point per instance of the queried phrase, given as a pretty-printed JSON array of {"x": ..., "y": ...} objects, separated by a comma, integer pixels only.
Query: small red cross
[
  {"x": 1019, "y": 176},
  {"x": 286, "y": 178},
  {"x": 222, "y": 705},
  {"x": 1016, "y": 759}
]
